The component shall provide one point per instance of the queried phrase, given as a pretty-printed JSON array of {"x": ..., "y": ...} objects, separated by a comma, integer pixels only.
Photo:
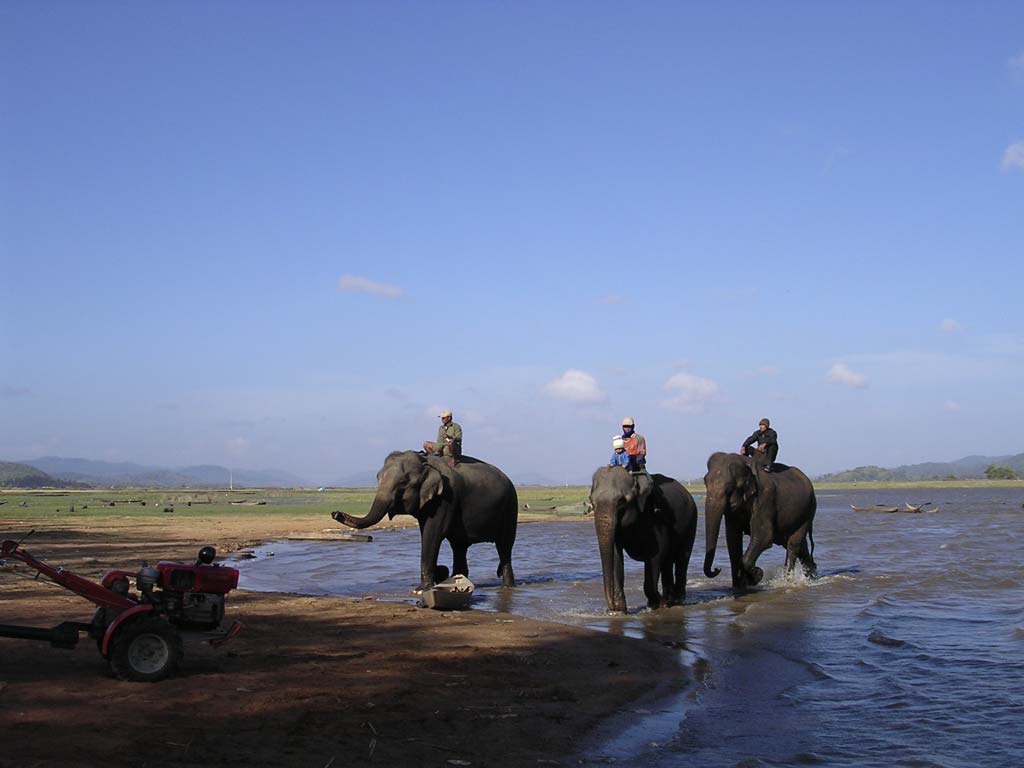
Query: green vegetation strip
[{"x": 567, "y": 501}]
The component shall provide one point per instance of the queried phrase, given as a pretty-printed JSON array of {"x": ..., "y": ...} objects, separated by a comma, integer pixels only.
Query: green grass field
[{"x": 29, "y": 506}]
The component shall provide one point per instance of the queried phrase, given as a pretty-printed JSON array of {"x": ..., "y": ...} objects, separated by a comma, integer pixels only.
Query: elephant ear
[
  {"x": 751, "y": 485},
  {"x": 431, "y": 486},
  {"x": 644, "y": 487},
  {"x": 636, "y": 499}
]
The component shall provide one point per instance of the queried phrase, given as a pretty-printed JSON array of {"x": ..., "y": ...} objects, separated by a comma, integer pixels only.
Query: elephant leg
[
  {"x": 803, "y": 554},
  {"x": 668, "y": 582},
  {"x": 651, "y": 584},
  {"x": 460, "y": 565},
  {"x": 734, "y": 541},
  {"x": 508, "y": 577},
  {"x": 430, "y": 546},
  {"x": 796, "y": 548},
  {"x": 755, "y": 547},
  {"x": 760, "y": 540},
  {"x": 681, "y": 562},
  {"x": 618, "y": 596}
]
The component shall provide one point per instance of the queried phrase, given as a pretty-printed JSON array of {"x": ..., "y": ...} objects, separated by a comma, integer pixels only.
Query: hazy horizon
[{"x": 288, "y": 241}]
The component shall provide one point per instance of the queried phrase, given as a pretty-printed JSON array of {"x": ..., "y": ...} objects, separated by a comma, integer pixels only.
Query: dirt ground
[{"x": 311, "y": 681}]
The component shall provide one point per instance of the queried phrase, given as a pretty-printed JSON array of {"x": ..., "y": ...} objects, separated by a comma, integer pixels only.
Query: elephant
[
  {"x": 654, "y": 519},
  {"x": 774, "y": 507},
  {"x": 472, "y": 502}
]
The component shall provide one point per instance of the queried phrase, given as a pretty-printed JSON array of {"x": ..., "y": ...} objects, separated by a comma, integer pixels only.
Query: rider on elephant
[
  {"x": 619, "y": 456},
  {"x": 635, "y": 444},
  {"x": 449, "y": 440},
  {"x": 767, "y": 443}
]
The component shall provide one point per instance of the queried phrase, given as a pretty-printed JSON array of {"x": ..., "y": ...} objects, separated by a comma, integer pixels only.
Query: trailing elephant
[
  {"x": 467, "y": 504},
  {"x": 774, "y": 507},
  {"x": 654, "y": 519}
]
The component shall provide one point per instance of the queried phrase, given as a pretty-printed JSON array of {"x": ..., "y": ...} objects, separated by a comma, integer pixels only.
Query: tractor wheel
[{"x": 146, "y": 650}]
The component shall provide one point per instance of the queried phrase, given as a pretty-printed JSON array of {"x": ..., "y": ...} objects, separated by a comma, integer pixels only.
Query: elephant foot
[
  {"x": 756, "y": 574},
  {"x": 423, "y": 587},
  {"x": 508, "y": 578},
  {"x": 617, "y": 607}
]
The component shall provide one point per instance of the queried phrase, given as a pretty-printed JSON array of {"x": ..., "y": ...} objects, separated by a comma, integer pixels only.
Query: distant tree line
[{"x": 997, "y": 472}]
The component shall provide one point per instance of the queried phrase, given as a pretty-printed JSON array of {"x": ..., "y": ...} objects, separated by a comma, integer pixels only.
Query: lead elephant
[
  {"x": 467, "y": 504},
  {"x": 774, "y": 507},
  {"x": 654, "y": 519}
]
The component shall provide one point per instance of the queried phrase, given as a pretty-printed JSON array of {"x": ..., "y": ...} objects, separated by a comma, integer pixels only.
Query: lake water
[{"x": 908, "y": 650}]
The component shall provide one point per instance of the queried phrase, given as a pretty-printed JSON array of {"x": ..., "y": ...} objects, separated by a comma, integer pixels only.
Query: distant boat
[{"x": 891, "y": 510}]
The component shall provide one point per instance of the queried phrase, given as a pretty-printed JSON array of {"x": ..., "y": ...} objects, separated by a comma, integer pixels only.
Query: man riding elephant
[
  {"x": 767, "y": 443},
  {"x": 449, "y": 440},
  {"x": 635, "y": 444}
]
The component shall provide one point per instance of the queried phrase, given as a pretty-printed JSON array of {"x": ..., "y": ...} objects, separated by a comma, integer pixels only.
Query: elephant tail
[{"x": 810, "y": 537}]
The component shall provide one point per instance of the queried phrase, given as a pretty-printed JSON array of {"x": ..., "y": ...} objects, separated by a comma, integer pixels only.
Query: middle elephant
[{"x": 654, "y": 519}]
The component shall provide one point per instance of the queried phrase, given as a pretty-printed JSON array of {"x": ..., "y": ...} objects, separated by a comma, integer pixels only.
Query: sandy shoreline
[{"x": 312, "y": 679}]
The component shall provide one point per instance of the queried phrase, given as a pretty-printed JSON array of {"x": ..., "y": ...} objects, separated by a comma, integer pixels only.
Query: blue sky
[{"x": 283, "y": 236}]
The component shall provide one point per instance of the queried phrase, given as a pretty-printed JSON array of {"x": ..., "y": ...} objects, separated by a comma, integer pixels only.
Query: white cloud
[
  {"x": 951, "y": 405},
  {"x": 950, "y": 326},
  {"x": 354, "y": 284},
  {"x": 575, "y": 386},
  {"x": 1013, "y": 157},
  {"x": 1016, "y": 63},
  {"x": 690, "y": 394},
  {"x": 840, "y": 373}
]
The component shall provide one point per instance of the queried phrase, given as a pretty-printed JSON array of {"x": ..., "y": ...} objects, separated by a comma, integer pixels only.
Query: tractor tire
[{"x": 145, "y": 650}]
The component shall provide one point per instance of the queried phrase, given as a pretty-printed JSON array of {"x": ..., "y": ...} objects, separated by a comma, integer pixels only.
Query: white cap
[
  {"x": 618, "y": 442},
  {"x": 628, "y": 421},
  {"x": 444, "y": 414}
]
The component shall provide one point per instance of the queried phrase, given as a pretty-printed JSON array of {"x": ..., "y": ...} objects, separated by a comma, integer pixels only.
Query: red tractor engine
[{"x": 190, "y": 596}]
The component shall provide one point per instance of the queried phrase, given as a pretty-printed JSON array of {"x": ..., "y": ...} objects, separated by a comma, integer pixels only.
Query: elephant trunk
[
  {"x": 712, "y": 523},
  {"x": 377, "y": 511},
  {"x": 605, "y": 524}
]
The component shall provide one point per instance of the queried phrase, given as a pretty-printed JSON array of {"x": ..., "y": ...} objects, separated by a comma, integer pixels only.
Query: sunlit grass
[{"x": 534, "y": 501}]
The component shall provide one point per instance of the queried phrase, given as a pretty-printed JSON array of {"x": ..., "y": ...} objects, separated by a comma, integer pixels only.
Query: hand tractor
[{"x": 141, "y": 634}]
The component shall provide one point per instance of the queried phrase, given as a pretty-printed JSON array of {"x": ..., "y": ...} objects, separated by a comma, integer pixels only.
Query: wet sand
[{"x": 312, "y": 681}]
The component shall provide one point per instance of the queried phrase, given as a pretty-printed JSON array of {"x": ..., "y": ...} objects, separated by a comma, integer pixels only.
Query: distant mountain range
[
  {"x": 128, "y": 474},
  {"x": 967, "y": 468},
  {"x": 14, "y": 475},
  {"x": 55, "y": 471}
]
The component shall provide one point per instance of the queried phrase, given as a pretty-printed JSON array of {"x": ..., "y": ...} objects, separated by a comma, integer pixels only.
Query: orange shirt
[{"x": 635, "y": 444}]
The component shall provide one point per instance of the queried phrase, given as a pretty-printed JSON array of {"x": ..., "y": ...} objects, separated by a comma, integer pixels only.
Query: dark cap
[{"x": 765, "y": 422}]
